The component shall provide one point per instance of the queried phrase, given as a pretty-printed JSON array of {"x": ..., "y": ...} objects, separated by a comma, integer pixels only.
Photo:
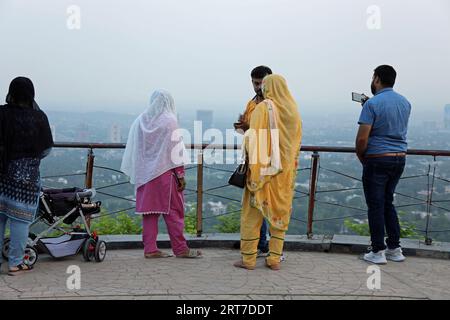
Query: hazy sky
[{"x": 203, "y": 50}]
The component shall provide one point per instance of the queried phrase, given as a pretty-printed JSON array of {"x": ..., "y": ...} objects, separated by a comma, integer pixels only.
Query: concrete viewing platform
[
  {"x": 125, "y": 274},
  {"x": 319, "y": 243}
]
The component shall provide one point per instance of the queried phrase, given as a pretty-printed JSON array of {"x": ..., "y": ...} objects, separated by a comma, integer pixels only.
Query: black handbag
[{"x": 239, "y": 176}]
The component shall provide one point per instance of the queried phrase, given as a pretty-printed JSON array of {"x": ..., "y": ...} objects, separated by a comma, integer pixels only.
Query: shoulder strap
[
  {"x": 270, "y": 108},
  {"x": 275, "y": 159}
]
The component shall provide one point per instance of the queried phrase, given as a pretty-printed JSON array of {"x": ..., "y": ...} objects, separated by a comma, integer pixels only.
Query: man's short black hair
[
  {"x": 260, "y": 72},
  {"x": 387, "y": 75}
]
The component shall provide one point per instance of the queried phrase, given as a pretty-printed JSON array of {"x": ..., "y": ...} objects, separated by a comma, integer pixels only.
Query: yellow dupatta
[{"x": 272, "y": 146}]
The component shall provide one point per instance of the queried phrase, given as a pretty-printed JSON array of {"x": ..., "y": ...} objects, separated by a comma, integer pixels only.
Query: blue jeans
[
  {"x": 18, "y": 239},
  {"x": 380, "y": 178},
  {"x": 263, "y": 244}
]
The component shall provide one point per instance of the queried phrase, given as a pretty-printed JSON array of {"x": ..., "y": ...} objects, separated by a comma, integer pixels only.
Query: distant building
[
  {"x": 115, "y": 134},
  {"x": 216, "y": 208},
  {"x": 206, "y": 117},
  {"x": 447, "y": 116}
]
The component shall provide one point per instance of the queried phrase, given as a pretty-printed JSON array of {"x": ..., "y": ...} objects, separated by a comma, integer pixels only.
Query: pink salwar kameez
[
  {"x": 154, "y": 160},
  {"x": 157, "y": 197}
]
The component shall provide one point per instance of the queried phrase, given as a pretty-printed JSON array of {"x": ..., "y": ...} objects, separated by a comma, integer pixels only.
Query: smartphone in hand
[{"x": 359, "y": 97}]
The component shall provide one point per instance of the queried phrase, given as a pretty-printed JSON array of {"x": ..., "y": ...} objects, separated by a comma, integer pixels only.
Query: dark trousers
[
  {"x": 380, "y": 178},
  {"x": 263, "y": 244}
]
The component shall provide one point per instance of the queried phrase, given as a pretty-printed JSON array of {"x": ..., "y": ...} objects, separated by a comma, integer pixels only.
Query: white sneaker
[
  {"x": 377, "y": 258},
  {"x": 395, "y": 255},
  {"x": 282, "y": 258}
]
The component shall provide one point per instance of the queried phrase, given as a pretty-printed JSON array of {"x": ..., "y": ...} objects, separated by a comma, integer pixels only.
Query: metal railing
[{"x": 311, "y": 194}]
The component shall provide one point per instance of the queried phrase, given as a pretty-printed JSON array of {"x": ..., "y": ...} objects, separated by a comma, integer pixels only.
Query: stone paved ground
[{"x": 305, "y": 275}]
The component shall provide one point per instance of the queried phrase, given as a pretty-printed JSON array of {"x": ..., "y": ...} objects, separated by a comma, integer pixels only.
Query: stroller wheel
[
  {"x": 5, "y": 249},
  {"x": 100, "y": 251},
  {"x": 31, "y": 256},
  {"x": 89, "y": 249}
]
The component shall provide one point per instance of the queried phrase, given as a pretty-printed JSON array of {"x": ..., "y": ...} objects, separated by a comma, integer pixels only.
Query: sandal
[
  {"x": 21, "y": 268},
  {"x": 191, "y": 254},
  {"x": 157, "y": 254},
  {"x": 240, "y": 264}
]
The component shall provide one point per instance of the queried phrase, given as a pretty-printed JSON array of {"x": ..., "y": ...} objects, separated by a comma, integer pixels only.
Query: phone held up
[{"x": 359, "y": 97}]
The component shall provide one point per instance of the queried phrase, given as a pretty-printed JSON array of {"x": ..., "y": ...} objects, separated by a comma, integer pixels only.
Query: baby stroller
[{"x": 58, "y": 206}]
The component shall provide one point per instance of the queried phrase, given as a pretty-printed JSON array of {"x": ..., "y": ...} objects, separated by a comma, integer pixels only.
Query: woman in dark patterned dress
[{"x": 25, "y": 139}]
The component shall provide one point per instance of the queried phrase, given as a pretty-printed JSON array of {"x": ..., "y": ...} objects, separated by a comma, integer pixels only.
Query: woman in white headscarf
[{"x": 154, "y": 161}]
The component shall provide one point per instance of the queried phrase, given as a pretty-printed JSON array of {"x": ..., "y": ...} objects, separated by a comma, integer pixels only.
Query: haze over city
[{"x": 203, "y": 51}]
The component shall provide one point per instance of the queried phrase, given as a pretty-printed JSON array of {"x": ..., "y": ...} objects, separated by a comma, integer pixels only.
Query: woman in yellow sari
[{"x": 271, "y": 146}]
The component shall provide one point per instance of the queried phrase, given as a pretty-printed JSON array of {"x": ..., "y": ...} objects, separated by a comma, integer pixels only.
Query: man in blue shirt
[{"x": 381, "y": 147}]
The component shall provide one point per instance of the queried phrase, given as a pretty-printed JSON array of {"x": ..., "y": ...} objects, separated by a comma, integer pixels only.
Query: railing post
[
  {"x": 428, "y": 239},
  {"x": 312, "y": 192},
  {"x": 200, "y": 194},
  {"x": 89, "y": 169},
  {"x": 89, "y": 175}
]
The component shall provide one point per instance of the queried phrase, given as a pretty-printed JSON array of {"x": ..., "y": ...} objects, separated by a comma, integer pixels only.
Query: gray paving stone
[{"x": 125, "y": 274}]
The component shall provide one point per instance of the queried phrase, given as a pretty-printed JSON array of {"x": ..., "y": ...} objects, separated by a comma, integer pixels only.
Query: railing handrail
[
  {"x": 87, "y": 145},
  {"x": 316, "y": 150}
]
